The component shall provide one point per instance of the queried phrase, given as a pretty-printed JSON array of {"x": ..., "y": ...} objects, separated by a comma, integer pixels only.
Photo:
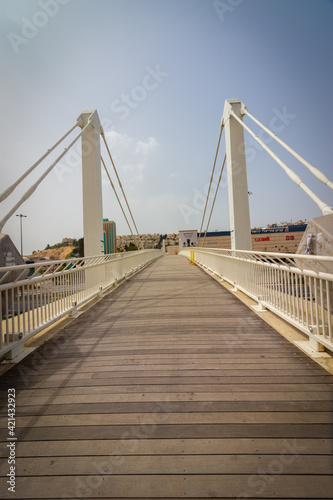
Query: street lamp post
[{"x": 20, "y": 216}]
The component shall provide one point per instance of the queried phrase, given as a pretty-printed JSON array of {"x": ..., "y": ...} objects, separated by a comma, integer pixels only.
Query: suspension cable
[
  {"x": 115, "y": 192},
  {"x": 211, "y": 178},
  {"x": 34, "y": 186},
  {"x": 326, "y": 209},
  {"x": 218, "y": 185},
  {"x": 315, "y": 171},
  {"x": 11, "y": 188},
  {"x": 121, "y": 187}
]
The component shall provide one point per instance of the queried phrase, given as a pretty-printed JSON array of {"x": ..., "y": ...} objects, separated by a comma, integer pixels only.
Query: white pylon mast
[
  {"x": 239, "y": 211},
  {"x": 92, "y": 184}
]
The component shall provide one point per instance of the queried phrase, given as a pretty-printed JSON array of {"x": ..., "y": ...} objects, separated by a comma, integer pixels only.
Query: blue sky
[{"x": 158, "y": 72}]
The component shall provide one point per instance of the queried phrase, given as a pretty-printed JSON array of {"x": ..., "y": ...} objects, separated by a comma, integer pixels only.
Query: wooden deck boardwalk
[{"x": 169, "y": 387}]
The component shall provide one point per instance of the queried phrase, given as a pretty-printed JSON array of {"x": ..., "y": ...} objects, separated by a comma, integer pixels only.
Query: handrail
[
  {"x": 30, "y": 305},
  {"x": 84, "y": 263},
  {"x": 273, "y": 254},
  {"x": 284, "y": 283}
]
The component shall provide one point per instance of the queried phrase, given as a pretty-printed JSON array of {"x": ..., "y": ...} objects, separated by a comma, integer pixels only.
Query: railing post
[
  {"x": 239, "y": 211},
  {"x": 92, "y": 184},
  {"x": 315, "y": 345}
]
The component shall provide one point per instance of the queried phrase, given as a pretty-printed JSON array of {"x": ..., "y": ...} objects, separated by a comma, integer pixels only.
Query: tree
[
  {"x": 159, "y": 244},
  {"x": 130, "y": 247},
  {"x": 81, "y": 247}
]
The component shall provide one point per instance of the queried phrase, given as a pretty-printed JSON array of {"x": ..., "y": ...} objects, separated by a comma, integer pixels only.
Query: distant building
[
  {"x": 109, "y": 230},
  {"x": 188, "y": 238},
  {"x": 67, "y": 241},
  {"x": 270, "y": 239}
]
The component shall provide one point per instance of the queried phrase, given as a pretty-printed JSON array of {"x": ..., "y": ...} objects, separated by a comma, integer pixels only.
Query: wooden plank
[
  {"x": 230, "y": 371},
  {"x": 228, "y": 395},
  {"x": 121, "y": 389},
  {"x": 275, "y": 356},
  {"x": 177, "y": 406},
  {"x": 182, "y": 344},
  {"x": 156, "y": 370},
  {"x": 186, "y": 384},
  {"x": 202, "y": 446},
  {"x": 284, "y": 385},
  {"x": 164, "y": 369},
  {"x": 166, "y": 382},
  {"x": 163, "y": 374},
  {"x": 171, "y": 464},
  {"x": 173, "y": 419},
  {"x": 128, "y": 381},
  {"x": 163, "y": 342},
  {"x": 161, "y": 486},
  {"x": 241, "y": 349},
  {"x": 160, "y": 431}
]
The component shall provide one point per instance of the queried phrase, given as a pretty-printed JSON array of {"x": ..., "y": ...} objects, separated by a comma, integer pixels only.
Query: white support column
[
  {"x": 92, "y": 184},
  {"x": 239, "y": 210}
]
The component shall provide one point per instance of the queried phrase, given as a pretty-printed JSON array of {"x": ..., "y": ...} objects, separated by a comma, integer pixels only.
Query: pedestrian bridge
[{"x": 167, "y": 387}]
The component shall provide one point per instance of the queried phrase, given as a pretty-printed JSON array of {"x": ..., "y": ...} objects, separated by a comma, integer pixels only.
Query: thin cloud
[
  {"x": 145, "y": 148},
  {"x": 132, "y": 157}
]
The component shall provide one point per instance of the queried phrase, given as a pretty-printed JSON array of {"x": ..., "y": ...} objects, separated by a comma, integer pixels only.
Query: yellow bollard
[{"x": 192, "y": 259}]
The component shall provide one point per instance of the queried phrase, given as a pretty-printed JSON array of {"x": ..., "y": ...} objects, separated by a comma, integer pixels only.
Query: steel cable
[
  {"x": 211, "y": 179},
  {"x": 121, "y": 187},
  {"x": 11, "y": 188},
  {"x": 115, "y": 192},
  {"x": 218, "y": 185}
]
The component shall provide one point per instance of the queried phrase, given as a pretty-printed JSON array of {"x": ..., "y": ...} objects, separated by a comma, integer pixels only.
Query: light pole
[{"x": 20, "y": 216}]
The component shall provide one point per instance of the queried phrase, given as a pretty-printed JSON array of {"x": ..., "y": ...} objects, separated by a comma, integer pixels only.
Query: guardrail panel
[
  {"x": 299, "y": 295},
  {"x": 55, "y": 289}
]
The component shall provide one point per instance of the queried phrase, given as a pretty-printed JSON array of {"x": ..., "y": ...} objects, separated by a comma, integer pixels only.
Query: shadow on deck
[{"x": 169, "y": 387}]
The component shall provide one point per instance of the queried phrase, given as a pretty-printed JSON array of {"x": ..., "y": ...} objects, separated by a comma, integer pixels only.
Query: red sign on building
[{"x": 262, "y": 239}]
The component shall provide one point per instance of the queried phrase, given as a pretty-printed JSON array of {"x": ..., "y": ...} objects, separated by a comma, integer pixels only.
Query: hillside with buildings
[
  {"x": 147, "y": 241},
  {"x": 283, "y": 237}
]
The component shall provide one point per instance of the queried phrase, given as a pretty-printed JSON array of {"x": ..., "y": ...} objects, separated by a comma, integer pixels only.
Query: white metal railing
[
  {"x": 299, "y": 288},
  {"x": 55, "y": 289}
]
